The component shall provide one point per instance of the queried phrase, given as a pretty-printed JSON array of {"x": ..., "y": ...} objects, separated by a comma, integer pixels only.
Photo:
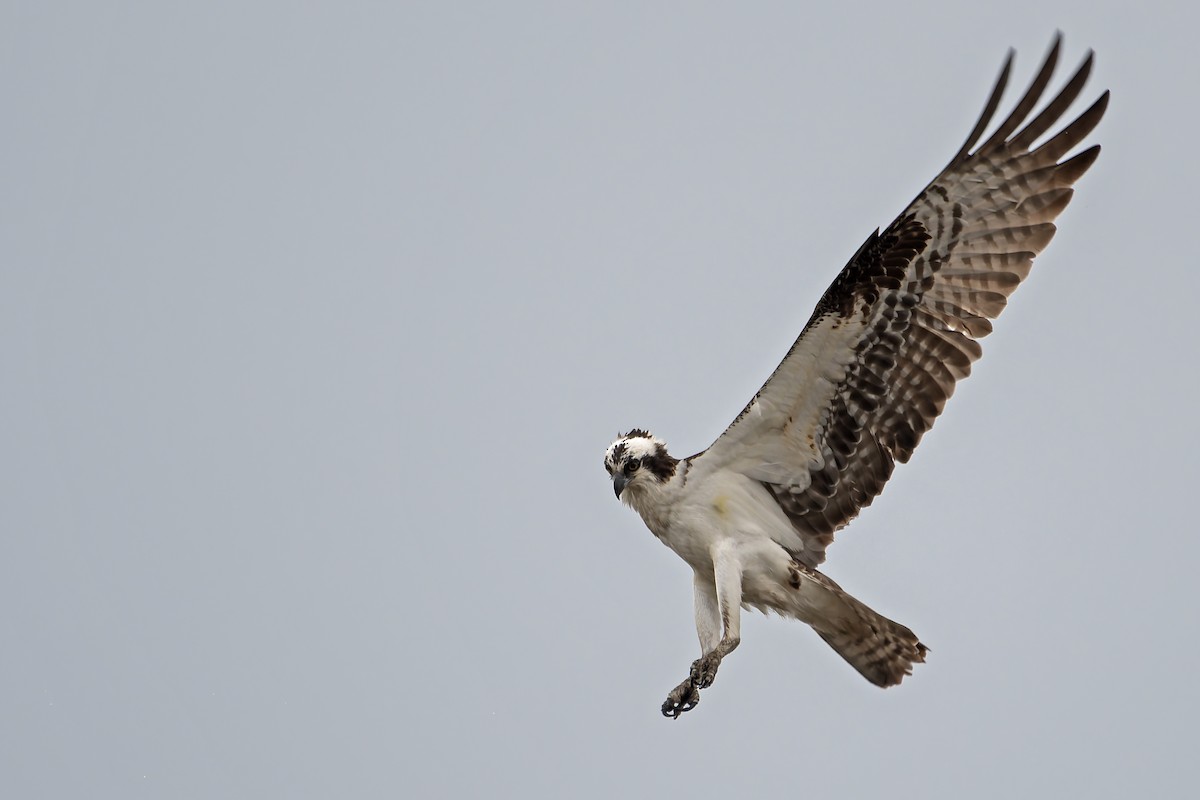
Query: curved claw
[
  {"x": 704, "y": 670},
  {"x": 683, "y": 697}
]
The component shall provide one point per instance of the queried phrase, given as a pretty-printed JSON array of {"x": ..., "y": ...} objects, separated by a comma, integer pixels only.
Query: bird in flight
[{"x": 898, "y": 328}]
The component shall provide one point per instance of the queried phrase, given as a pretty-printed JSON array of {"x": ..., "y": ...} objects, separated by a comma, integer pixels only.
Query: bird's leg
[
  {"x": 717, "y": 607},
  {"x": 727, "y": 571},
  {"x": 686, "y": 695}
]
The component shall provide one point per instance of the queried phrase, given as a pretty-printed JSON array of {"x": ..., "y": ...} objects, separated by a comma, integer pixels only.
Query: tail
[{"x": 882, "y": 651}]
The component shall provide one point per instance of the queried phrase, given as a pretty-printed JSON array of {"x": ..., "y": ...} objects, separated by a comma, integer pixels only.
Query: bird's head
[{"x": 637, "y": 461}]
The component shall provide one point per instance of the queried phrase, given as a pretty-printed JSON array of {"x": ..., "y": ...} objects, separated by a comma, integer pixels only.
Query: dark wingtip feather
[
  {"x": 1073, "y": 168},
  {"x": 1057, "y": 107},
  {"x": 1080, "y": 127},
  {"x": 989, "y": 108},
  {"x": 1027, "y": 102}
]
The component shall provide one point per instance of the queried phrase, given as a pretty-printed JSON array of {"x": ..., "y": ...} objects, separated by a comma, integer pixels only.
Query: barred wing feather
[{"x": 900, "y": 324}]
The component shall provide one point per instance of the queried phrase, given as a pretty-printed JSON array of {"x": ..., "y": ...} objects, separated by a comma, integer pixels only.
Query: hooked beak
[{"x": 619, "y": 483}]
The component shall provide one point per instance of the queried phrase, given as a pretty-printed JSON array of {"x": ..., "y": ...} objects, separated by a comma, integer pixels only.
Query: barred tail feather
[{"x": 882, "y": 651}]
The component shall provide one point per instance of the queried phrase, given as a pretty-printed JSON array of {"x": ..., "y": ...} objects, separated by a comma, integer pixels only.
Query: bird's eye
[{"x": 631, "y": 465}]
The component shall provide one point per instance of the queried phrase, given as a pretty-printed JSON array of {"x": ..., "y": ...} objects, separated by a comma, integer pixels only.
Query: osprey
[{"x": 753, "y": 514}]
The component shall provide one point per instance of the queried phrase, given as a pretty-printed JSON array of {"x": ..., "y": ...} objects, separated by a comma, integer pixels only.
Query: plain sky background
[{"x": 315, "y": 322}]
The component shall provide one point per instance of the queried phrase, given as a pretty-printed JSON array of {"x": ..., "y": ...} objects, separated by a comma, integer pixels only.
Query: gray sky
[{"x": 315, "y": 323}]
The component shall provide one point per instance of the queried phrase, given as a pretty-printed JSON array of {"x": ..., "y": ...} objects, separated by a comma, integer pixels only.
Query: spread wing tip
[{"x": 1044, "y": 119}]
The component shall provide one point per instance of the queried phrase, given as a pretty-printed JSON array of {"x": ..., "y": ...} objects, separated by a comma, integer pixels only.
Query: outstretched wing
[{"x": 900, "y": 325}]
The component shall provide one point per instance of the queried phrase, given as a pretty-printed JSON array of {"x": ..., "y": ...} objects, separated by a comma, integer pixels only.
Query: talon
[
  {"x": 683, "y": 698},
  {"x": 704, "y": 671}
]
